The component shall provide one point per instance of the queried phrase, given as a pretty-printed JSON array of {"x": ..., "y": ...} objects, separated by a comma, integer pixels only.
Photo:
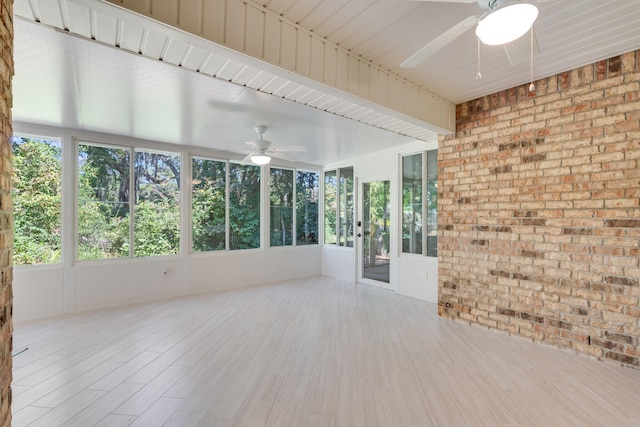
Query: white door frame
[{"x": 393, "y": 227}]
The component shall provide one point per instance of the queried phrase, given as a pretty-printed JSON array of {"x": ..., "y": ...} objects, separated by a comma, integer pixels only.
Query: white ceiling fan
[
  {"x": 503, "y": 22},
  {"x": 262, "y": 150}
]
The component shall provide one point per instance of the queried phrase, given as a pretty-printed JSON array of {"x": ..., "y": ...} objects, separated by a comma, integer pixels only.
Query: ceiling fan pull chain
[
  {"x": 478, "y": 75},
  {"x": 532, "y": 87}
]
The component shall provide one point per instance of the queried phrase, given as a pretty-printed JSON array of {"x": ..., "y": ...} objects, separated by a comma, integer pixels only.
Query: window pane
[
  {"x": 306, "y": 208},
  {"x": 36, "y": 197},
  {"x": 346, "y": 207},
  {"x": 208, "y": 201},
  {"x": 412, "y": 204},
  {"x": 432, "y": 203},
  {"x": 330, "y": 207},
  {"x": 244, "y": 206},
  {"x": 157, "y": 205},
  {"x": 281, "y": 195},
  {"x": 103, "y": 202}
]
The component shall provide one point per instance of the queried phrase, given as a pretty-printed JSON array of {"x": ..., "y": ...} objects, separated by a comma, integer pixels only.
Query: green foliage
[
  {"x": 330, "y": 207},
  {"x": 101, "y": 232},
  {"x": 307, "y": 208},
  {"x": 104, "y": 203},
  {"x": 281, "y": 196},
  {"x": 36, "y": 201},
  {"x": 156, "y": 230},
  {"x": 157, "y": 209},
  {"x": 208, "y": 200},
  {"x": 244, "y": 206}
]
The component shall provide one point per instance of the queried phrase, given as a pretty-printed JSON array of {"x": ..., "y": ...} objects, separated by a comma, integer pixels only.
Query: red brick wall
[
  {"x": 540, "y": 211},
  {"x": 6, "y": 210}
]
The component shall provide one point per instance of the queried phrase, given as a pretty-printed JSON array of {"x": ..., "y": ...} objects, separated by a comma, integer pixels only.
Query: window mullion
[
  {"x": 294, "y": 205},
  {"x": 132, "y": 199},
  {"x": 227, "y": 200}
]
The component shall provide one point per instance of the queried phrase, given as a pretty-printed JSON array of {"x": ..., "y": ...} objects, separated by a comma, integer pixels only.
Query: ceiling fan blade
[
  {"x": 441, "y": 41},
  {"x": 248, "y": 157},
  {"x": 252, "y": 144},
  {"x": 287, "y": 148},
  {"x": 282, "y": 156},
  {"x": 519, "y": 50}
]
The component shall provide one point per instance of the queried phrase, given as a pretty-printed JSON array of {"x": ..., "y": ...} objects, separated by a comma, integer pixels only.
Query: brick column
[
  {"x": 539, "y": 201},
  {"x": 6, "y": 211}
]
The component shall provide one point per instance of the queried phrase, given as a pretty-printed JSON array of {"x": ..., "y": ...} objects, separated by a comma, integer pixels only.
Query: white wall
[
  {"x": 43, "y": 291},
  {"x": 412, "y": 275},
  {"x": 339, "y": 262}
]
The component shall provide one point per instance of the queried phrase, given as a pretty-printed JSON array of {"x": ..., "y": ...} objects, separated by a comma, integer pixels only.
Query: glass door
[{"x": 376, "y": 231}]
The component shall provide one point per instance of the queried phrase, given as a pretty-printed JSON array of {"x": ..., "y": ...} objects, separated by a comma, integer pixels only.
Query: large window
[
  {"x": 283, "y": 202},
  {"x": 420, "y": 203},
  {"x": 306, "y": 208},
  {"x": 103, "y": 202},
  {"x": 338, "y": 207},
  {"x": 281, "y": 208},
  {"x": 106, "y": 180},
  {"x": 330, "y": 207},
  {"x": 157, "y": 204},
  {"x": 36, "y": 194},
  {"x": 208, "y": 205},
  {"x": 432, "y": 203},
  {"x": 244, "y": 206},
  {"x": 412, "y": 199}
]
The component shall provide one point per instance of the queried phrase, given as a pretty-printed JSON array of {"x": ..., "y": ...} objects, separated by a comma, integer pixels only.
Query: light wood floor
[{"x": 313, "y": 352}]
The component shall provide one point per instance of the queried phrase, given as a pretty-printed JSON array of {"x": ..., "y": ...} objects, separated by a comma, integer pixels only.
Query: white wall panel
[
  {"x": 131, "y": 38},
  {"x": 292, "y": 262},
  {"x": 105, "y": 28},
  {"x": 165, "y": 10},
  {"x": 316, "y": 71},
  {"x": 289, "y": 38},
  {"x": 213, "y": 272},
  {"x": 108, "y": 284},
  {"x": 37, "y": 292},
  {"x": 79, "y": 21},
  {"x": 143, "y": 6},
  {"x": 418, "y": 277},
  {"x": 214, "y": 21},
  {"x": 174, "y": 51},
  {"x": 234, "y": 25},
  {"x": 364, "y": 79},
  {"x": 330, "y": 65},
  {"x": 339, "y": 263},
  {"x": 342, "y": 70},
  {"x": 303, "y": 53},
  {"x": 193, "y": 58},
  {"x": 272, "y": 35},
  {"x": 49, "y": 13},
  {"x": 229, "y": 70},
  {"x": 213, "y": 64},
  {"x": 254, "y": 34},
  {"x": 191, "y": 16}
]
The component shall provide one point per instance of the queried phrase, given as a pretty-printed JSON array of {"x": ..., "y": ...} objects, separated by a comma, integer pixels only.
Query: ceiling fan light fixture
[
  {"x": 260, "y": 159},
  {"x": 507, "y": 23}
]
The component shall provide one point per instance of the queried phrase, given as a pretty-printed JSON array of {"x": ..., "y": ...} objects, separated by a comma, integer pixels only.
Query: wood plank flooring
[{"x": 312, "y": 352}]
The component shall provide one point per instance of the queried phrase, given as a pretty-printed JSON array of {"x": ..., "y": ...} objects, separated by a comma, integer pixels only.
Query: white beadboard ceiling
[
  {"x": 129, "y": 75},
  {"x": 570, "y": 33}
]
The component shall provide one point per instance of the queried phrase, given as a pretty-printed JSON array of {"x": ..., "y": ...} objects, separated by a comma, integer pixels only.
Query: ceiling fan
[
  {"x": 262, "y": 150},
  {"x": 502, "y": 23}
]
